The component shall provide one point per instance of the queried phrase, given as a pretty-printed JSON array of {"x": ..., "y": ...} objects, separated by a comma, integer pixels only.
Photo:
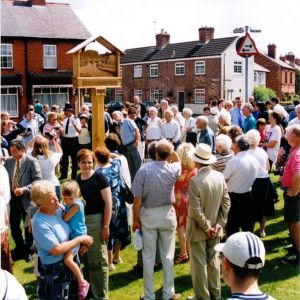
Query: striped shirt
[
  {"x": 222, "y": 160},
  {"x": 250, "y": 297}
]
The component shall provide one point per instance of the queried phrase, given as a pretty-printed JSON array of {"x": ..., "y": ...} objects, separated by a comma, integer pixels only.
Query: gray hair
[
  {"x": 203, "y": 119},
  {"x": 154, "y": 109},
  {"x": 164, "y": 148},
  {"x": 249, "y": 106},
  {"x": 187, "y": 111},
  {"x": 226, "y": 117},
  {"x": 169, "y": 111},
  {"x": 295, "y": 129},
  {"x": 253, "y": 137},
  {"x": 297, "y": 107},
  {"x": 174, "y": 108},
  {"x": 242, "y": 142},
  {"x": 224, "y": 141}
]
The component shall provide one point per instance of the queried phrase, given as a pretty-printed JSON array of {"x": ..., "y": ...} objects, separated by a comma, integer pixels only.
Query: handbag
[{"x": 125, "y": 193}]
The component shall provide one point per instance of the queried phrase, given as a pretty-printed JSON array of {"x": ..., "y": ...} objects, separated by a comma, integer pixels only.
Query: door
[{"x": 180, "y": 96}]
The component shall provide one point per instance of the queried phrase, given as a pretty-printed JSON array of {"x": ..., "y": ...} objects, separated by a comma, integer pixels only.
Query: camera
[{"x": 49, "y": 134}]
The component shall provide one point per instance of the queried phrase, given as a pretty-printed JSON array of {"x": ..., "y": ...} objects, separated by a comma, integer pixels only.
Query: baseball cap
[{"x": 242, "y": 246}]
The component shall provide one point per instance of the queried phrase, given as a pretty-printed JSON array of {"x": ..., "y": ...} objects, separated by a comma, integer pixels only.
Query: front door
[{"x": 180, "y": 101}]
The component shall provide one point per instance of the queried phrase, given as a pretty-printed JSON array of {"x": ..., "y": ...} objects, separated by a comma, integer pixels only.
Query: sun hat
[
  {"x": 242, "y": 246},
  {"x": 203, "y": 154}
]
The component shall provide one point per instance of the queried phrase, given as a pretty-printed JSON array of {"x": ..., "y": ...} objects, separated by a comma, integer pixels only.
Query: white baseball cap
[{"x": 242, "y": 246}]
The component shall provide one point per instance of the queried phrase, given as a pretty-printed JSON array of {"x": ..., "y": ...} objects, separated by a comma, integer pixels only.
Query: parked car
[{"x": 113, "y": 106}]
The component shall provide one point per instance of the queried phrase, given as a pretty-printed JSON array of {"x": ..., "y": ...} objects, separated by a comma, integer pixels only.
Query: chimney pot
[
  {"x": 290, "y": 57},
  {"x": 206, "y": 34},
  {"x": 272, "y": 50},
  {"x": 162, "y": 39}
]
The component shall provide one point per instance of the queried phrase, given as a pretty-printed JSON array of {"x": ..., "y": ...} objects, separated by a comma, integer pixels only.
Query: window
[
  {"x": 52, "y": 95},
  {"x": 199, "y": 95},
  {"x": 118, "y": 95},
  {"x": 291, "y": 78},
  {"x": 200, "y": 67},
  {"x": 179, "y": 69},
  {"x": 154, "y": 70},
  {"x": 138, "y": 71},
  {"x": 6, "y": 56},
  {"x": 260, "y": 77},
  {"x": 50, "y": 61},
  {"x": 9, "y": 100},
  {"x": 121, "y": 70},
  {"x": 156, "y": 95},
  {"x": 237, "y": 67},
  {"x": 138, "y": 93}
]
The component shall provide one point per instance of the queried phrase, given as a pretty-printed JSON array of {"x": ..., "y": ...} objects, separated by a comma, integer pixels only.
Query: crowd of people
[{"x": 206, "y": 178}]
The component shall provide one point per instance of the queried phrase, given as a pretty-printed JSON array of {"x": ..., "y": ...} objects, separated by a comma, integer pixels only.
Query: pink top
[{"x": 292, "y": 165}]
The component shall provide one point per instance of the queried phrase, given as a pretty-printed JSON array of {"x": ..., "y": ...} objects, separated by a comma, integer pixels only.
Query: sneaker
[
  {"x": 117, "y": 260},
  {"x": 112, "y": 267},
  {"x": 262, "y": 233},
  {"x": 293, "y": 260},
  {"x": 83, "y": 290}
]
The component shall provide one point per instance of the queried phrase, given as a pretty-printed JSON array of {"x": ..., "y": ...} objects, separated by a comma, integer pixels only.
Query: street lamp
[{"x": 246, "y": 30}]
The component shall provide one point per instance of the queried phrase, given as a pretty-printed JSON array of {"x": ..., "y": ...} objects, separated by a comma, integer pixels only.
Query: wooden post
[{"x": 98, "y": 129}]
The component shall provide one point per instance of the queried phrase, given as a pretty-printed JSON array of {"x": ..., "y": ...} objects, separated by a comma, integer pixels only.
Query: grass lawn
[{"x": 277, "y": 279}]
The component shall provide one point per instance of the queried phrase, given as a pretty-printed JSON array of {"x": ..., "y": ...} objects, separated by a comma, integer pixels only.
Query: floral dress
[
  {"x": 182, "y": 196},
  {"x": 119, "y": 228}
]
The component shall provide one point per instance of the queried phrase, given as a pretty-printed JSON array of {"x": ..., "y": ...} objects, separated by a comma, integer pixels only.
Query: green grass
[{"x": 277, "y": 279}]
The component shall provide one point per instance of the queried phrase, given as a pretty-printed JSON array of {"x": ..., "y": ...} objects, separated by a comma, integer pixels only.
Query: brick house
[
  {"x": 35, "y": 37},
  {"x": 281, "y": 77},
  {"x": 190, "y": 73}
]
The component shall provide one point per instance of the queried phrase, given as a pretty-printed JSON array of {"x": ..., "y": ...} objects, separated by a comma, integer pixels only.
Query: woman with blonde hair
[{"x": 184, "y": 151}]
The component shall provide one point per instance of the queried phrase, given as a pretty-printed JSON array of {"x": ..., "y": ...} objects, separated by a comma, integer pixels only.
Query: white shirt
[
  {"x": 48, "y": 167},
  {"x": 295, "y": 121},
  {"x": 84, "y": 136},
  {"x": 180, "y": 119},
  {"x": 240, "y": 172},
  {"x": 281, "y": 110},
  {"x": 153, "y": 131},
  {"x": 171, "y": 131},
  {"x": 15, "y": 291},
  {"x": 71, "y": 131},
  {"x": 262, "y": 158},
  {"x": 4, "y": 184},
  {"x": 273, "y": 134}
]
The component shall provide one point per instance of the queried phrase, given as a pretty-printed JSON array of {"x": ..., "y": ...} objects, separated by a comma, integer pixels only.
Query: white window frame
[
  {"x": 50, "y": 56},
  {"x": 138, "y": 93},
  {"x": 8, "y": 92},
  {"x": 38, "y": 91},
  {"x": 9, "y": 49},
  {"x": 118, "y": 95},
  {"x": 154, "y": 70},
  {"x": 259, "y": 77},
  {"x": 156, "y": 95},
  {"x": 180, "y": 69},
  {"x": 238, "y": 67},
  {"x": 138, "y": 71},
  {"x": 199, "y": 96},
  {"x": 200, "y": 67}
]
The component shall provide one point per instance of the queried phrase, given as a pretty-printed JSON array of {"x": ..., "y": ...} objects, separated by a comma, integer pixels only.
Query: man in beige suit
[{"x": 209, "y": 204}]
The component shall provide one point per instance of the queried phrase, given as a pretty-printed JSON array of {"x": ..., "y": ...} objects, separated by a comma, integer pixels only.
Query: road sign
[{"x": 246, "y": 46}]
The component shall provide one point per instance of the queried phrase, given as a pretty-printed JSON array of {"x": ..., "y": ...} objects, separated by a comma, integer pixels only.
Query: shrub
[{"x": 262, "y": 94}]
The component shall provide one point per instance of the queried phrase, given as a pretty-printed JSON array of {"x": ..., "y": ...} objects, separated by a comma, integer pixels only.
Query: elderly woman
[
  {"x": 185, "y": 152},
  {"x": 261, "y": 189},
  {"x": 189, "y": 123},
  {"x": 96, "y": 192},
  {"x": 154, "y": 124},
  {"x": 51, "y": 236},
  {"x": 224, "y": 152}
]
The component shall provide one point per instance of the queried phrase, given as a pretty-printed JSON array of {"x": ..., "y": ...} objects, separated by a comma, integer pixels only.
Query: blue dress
[{"x": 119, "y": 228}]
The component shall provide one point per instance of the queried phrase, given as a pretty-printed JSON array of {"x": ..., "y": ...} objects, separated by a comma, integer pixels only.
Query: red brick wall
[
  {"x": 167, "y": 81},
  {"x": 275, "y": 79}
]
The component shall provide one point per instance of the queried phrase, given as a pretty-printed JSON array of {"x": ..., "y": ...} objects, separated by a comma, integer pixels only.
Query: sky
[{"x": 134, "y": 23}]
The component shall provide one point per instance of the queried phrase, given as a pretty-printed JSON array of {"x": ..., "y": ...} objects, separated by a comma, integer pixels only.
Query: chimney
[
  {"x": 291, "y": 57},
  {"x": 206, "y": 34},
  {"x": 282, "y": 58},
  {"x": 162, "y": 39},
  {"x": 272, "y": 50},
  {"x": 297, "y": 61}
]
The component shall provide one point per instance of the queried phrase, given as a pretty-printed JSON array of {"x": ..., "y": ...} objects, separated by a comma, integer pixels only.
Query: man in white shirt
[
  {"x": 170, "y": 129},
  {"x": 178, "y": 116},
  {"x": 69, "y": 143},
  {"x": 279, "y": 108},
  {"x": 240, "y": 173},
  {"x": 296, "y": 120}
]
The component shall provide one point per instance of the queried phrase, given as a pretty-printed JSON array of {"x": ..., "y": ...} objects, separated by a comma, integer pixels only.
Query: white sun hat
[{"x": 203, "y": 154}]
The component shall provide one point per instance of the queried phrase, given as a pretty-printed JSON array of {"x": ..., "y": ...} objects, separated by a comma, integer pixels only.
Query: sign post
[
  {"x": 96, "y": 72},
  {"x": 246, "y": 47}
]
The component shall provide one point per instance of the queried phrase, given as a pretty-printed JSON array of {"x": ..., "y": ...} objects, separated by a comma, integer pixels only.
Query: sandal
[
  {"x": 83, "y": 290},
  {"x": 181, "y": 259}
]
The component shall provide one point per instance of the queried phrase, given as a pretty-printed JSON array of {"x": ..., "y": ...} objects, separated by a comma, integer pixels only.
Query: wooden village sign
[{"x": 97, "y": 72}]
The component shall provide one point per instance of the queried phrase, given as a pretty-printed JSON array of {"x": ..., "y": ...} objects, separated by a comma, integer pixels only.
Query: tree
[{"x": 262, "y": 94}]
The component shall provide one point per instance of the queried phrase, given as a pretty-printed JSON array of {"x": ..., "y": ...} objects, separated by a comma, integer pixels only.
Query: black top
[{"x": 91, "y": 192}]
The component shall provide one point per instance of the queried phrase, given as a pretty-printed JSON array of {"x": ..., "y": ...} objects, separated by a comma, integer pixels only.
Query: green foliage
[{"x": 262, "y": 94}]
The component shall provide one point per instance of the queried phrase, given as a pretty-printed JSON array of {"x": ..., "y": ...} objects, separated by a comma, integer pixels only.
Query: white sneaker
[
  {"x": 262, "y": 233},
  {"x": 112, "y": 267},
  {"x": 117, "y": 260}
]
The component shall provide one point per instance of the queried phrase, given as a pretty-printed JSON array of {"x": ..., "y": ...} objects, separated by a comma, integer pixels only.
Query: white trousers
[{"x": 158, "y": 224}]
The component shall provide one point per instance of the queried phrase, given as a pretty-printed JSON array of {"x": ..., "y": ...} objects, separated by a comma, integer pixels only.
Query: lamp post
[{"x": 246, "y": 29}]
